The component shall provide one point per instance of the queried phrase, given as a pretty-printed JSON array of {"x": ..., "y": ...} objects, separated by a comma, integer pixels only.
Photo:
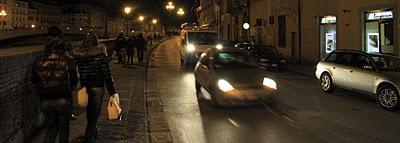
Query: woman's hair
[
  {"x": 55, "y": 42},
  {"x": 90, "y": 41}
]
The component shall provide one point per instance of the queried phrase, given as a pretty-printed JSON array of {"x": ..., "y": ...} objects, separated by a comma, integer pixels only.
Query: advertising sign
[
  {"x": 373, "y": 42},
  {"x": 329, "y": 42}
]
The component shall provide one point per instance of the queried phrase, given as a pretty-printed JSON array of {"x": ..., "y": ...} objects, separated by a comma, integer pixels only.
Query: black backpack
[{"x": 53, "y": 77}]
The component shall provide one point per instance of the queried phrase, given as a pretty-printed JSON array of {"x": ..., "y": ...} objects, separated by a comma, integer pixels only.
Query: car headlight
[
  {"x": 190, "y": 48},
  {"x": 225, "y": 86},
  {"x": 219, "y": 47},
  {"x": 269, "y": 83}
]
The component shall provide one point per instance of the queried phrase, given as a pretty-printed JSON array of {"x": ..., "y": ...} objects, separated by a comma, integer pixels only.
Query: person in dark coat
[
  {"x": 119, "y": 45},
  {"x": 95, "y": 75},
  {"x": 141, "y": 47},
  {"x": 131, "y": 50},
  {"x": 55, "y": 76}
]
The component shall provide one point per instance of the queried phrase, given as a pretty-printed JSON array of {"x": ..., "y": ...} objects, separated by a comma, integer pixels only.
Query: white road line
[{"x": 233, "y": 122}]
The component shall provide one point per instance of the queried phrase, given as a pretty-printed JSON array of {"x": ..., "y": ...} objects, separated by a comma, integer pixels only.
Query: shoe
[{"x": 74, "y": 117}]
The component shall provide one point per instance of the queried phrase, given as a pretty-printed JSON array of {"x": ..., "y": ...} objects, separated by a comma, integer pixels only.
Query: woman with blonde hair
[{"x": 95, "y": 75}]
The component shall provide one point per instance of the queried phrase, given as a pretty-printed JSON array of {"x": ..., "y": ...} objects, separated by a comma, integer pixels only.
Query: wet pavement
[{"x": 300, "y": 113}]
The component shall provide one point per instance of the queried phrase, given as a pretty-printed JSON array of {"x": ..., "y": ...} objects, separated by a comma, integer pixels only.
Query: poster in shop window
[
  {"x": 373, "y": 42},
  {"x": 329, "y": 42}
]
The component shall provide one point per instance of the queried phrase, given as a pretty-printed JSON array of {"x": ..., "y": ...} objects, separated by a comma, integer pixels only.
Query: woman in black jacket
[{"x": 95, "y": 75}]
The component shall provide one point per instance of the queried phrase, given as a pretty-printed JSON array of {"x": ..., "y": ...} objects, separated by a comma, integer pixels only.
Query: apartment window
[{"x": 282, "y": 31}]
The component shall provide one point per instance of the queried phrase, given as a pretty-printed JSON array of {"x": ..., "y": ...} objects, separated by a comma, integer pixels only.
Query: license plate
[
  {"x": 274, "y": 65},
  {"x": 283, "y": 61}
]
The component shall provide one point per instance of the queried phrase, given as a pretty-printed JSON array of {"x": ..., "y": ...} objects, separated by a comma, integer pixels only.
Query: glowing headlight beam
[
  {"x": 269, "y": 83},
  {"x": 219, "y": 47},
  {"x": 190, "y": 48},
  {"x": 225, "y": 86}
]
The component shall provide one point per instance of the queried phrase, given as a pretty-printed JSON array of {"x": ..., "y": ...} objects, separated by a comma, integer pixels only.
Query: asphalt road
[{"x": 300, "y": 113}]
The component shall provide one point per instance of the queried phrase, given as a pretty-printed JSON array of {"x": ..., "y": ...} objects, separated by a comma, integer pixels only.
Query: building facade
[
  {"x": 306, "y": 31},
  {"x": 32, "y": 17},
  {"x": 234, "y": 14},
  {"x": 5, "y": 14},
  {"x": 209, "y": 14},
  {"x": 48, "y": 14},
  {"x": 19, "y": 14}
]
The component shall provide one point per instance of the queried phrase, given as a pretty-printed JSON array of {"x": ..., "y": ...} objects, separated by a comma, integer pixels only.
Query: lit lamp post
[
  {"x": 170, "y": 7},
  {"x": 154, "y": 24},
  {"x": 180, "y": 12},
  {"x": 3, "y": 14},
  {"x": 141, "y": 19},
  {"x": 127, "y": 11}
]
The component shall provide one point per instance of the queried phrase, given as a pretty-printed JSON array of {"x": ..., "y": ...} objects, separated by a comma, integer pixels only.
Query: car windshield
[
  {"x": 203, "y": 38},
  {"x": 233, "y": 60},
  {"x": 386, "y": 63}
]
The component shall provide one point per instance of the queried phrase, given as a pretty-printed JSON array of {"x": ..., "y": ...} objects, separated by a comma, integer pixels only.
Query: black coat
[{"x": 94, "y": 68}]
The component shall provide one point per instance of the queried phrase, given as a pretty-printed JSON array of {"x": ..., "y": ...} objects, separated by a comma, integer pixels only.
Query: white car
[
  {"x": 375, "y": 74},
  {"x": 230, "y": 79}
]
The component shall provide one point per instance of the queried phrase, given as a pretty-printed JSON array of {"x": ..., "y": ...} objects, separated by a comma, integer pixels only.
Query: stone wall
[{"x": 19, "y": 107}]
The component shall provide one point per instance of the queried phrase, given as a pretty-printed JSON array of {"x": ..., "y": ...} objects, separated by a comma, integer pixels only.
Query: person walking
[
  {"x": 141, "y": 47},
  {"x": 131, "y": 49},
  {"x": 119, "y": 45},
  {"x": 95, "y": 75},
  {"x": 55, "y": 77}
]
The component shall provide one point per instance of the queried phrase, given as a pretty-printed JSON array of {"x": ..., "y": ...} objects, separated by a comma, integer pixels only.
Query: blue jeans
[
  {"x": 58, "y": 113},
  {"x": 93, "y": 110}
]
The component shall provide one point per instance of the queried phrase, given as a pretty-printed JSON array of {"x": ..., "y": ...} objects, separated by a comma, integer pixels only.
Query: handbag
[
  {"x": 114, "y": 110},
  {"x": 82, "y": 97}
]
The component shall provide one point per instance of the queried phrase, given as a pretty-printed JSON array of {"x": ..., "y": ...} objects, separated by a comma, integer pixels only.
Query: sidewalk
[
  {"x": 303, "y": 69},
  {"x": 130, "y": 83}
]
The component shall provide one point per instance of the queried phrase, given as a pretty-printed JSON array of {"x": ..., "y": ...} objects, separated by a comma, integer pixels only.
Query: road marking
[{"x": 233, "y": 122}]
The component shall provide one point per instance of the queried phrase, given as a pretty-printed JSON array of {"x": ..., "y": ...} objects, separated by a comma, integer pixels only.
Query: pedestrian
[
  {"x": 95, "y": 75},
  {"x": 119, "y": 44},
  {"x": 150, "y": 40},
  {"x": 131, "y": 49},
  {"x": 55, "y": 76},
  {"x": 141, "y": 47}
]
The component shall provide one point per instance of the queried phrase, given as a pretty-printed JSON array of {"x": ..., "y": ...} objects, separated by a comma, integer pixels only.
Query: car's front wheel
[
  {"x": 388, "y": 98},
  {"x": 326, "y": 83}
]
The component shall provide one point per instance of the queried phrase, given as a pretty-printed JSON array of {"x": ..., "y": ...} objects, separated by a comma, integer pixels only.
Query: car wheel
[
  {"x": 326, "y": 83},
  {"x": 198, "y": 87},
  {"x": 388, "y": 98}
]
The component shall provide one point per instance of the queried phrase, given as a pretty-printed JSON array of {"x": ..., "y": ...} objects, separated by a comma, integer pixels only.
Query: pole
[
  {"x": 299, "y": 26},
  {"x": 169, "y": 22}
]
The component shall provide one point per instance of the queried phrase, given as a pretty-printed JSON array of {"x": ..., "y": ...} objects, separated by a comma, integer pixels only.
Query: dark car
[
  {"x": 269, "y": 57},
  {"x": 246, "y": 45}
]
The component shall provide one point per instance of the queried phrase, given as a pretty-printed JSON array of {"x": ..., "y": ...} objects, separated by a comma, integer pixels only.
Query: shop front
[
  {"x": 327, "y": 28},
  {"x": 379, "y": 31}
]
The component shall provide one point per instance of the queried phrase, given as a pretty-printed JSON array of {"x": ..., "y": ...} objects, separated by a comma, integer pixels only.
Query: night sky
[{"x": 149, "y": 8}]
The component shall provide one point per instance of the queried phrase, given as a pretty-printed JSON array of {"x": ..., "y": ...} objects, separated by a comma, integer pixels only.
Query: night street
[{"x": 300, "y": 113}]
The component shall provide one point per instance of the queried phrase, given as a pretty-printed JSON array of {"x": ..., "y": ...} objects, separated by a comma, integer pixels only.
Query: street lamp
[
  {"x": 154, "y": 21},
  {"x": 3, "y": 13},
  {"x": 180, "y": 12},
  {"x": 170, "y": 7},
  {"x": 141, "y": 19},
  {"x": 127, "y": 11}
]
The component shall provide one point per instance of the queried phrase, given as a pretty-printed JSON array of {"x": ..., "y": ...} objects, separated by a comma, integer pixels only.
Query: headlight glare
[
  {"x": 269, "y": 83},
  {"x": 225, "y": 86},
  {"x": 219, "y": 47},
  {"x": 190, "y": 48}
]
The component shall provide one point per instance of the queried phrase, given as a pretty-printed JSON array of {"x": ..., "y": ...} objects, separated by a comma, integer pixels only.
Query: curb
[{"x": 164, "y": 136}]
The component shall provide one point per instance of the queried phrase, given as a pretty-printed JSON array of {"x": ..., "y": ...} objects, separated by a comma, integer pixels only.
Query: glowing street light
[
  {"x": 141, "y": 18},
  {"x": 154, "y": 21},
  {"x": 180, "y": 12},
  {"x": 127, "y": 10},
  {"x": 170, "y": 6},
  {"x": 3, "y": 13},
  {"x": 33, "y": 25}
]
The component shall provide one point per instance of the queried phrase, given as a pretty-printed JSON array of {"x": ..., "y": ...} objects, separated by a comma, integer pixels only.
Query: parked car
[
  {"x": 227, "y": 74},
  {"x": 246, "y": 45},
  {"x": 370, "y": 73},
  {"x": 269, "y": 57}
]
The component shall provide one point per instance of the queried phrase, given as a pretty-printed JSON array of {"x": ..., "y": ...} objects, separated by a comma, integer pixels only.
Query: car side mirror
[{"x": 368, "y": 67}]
